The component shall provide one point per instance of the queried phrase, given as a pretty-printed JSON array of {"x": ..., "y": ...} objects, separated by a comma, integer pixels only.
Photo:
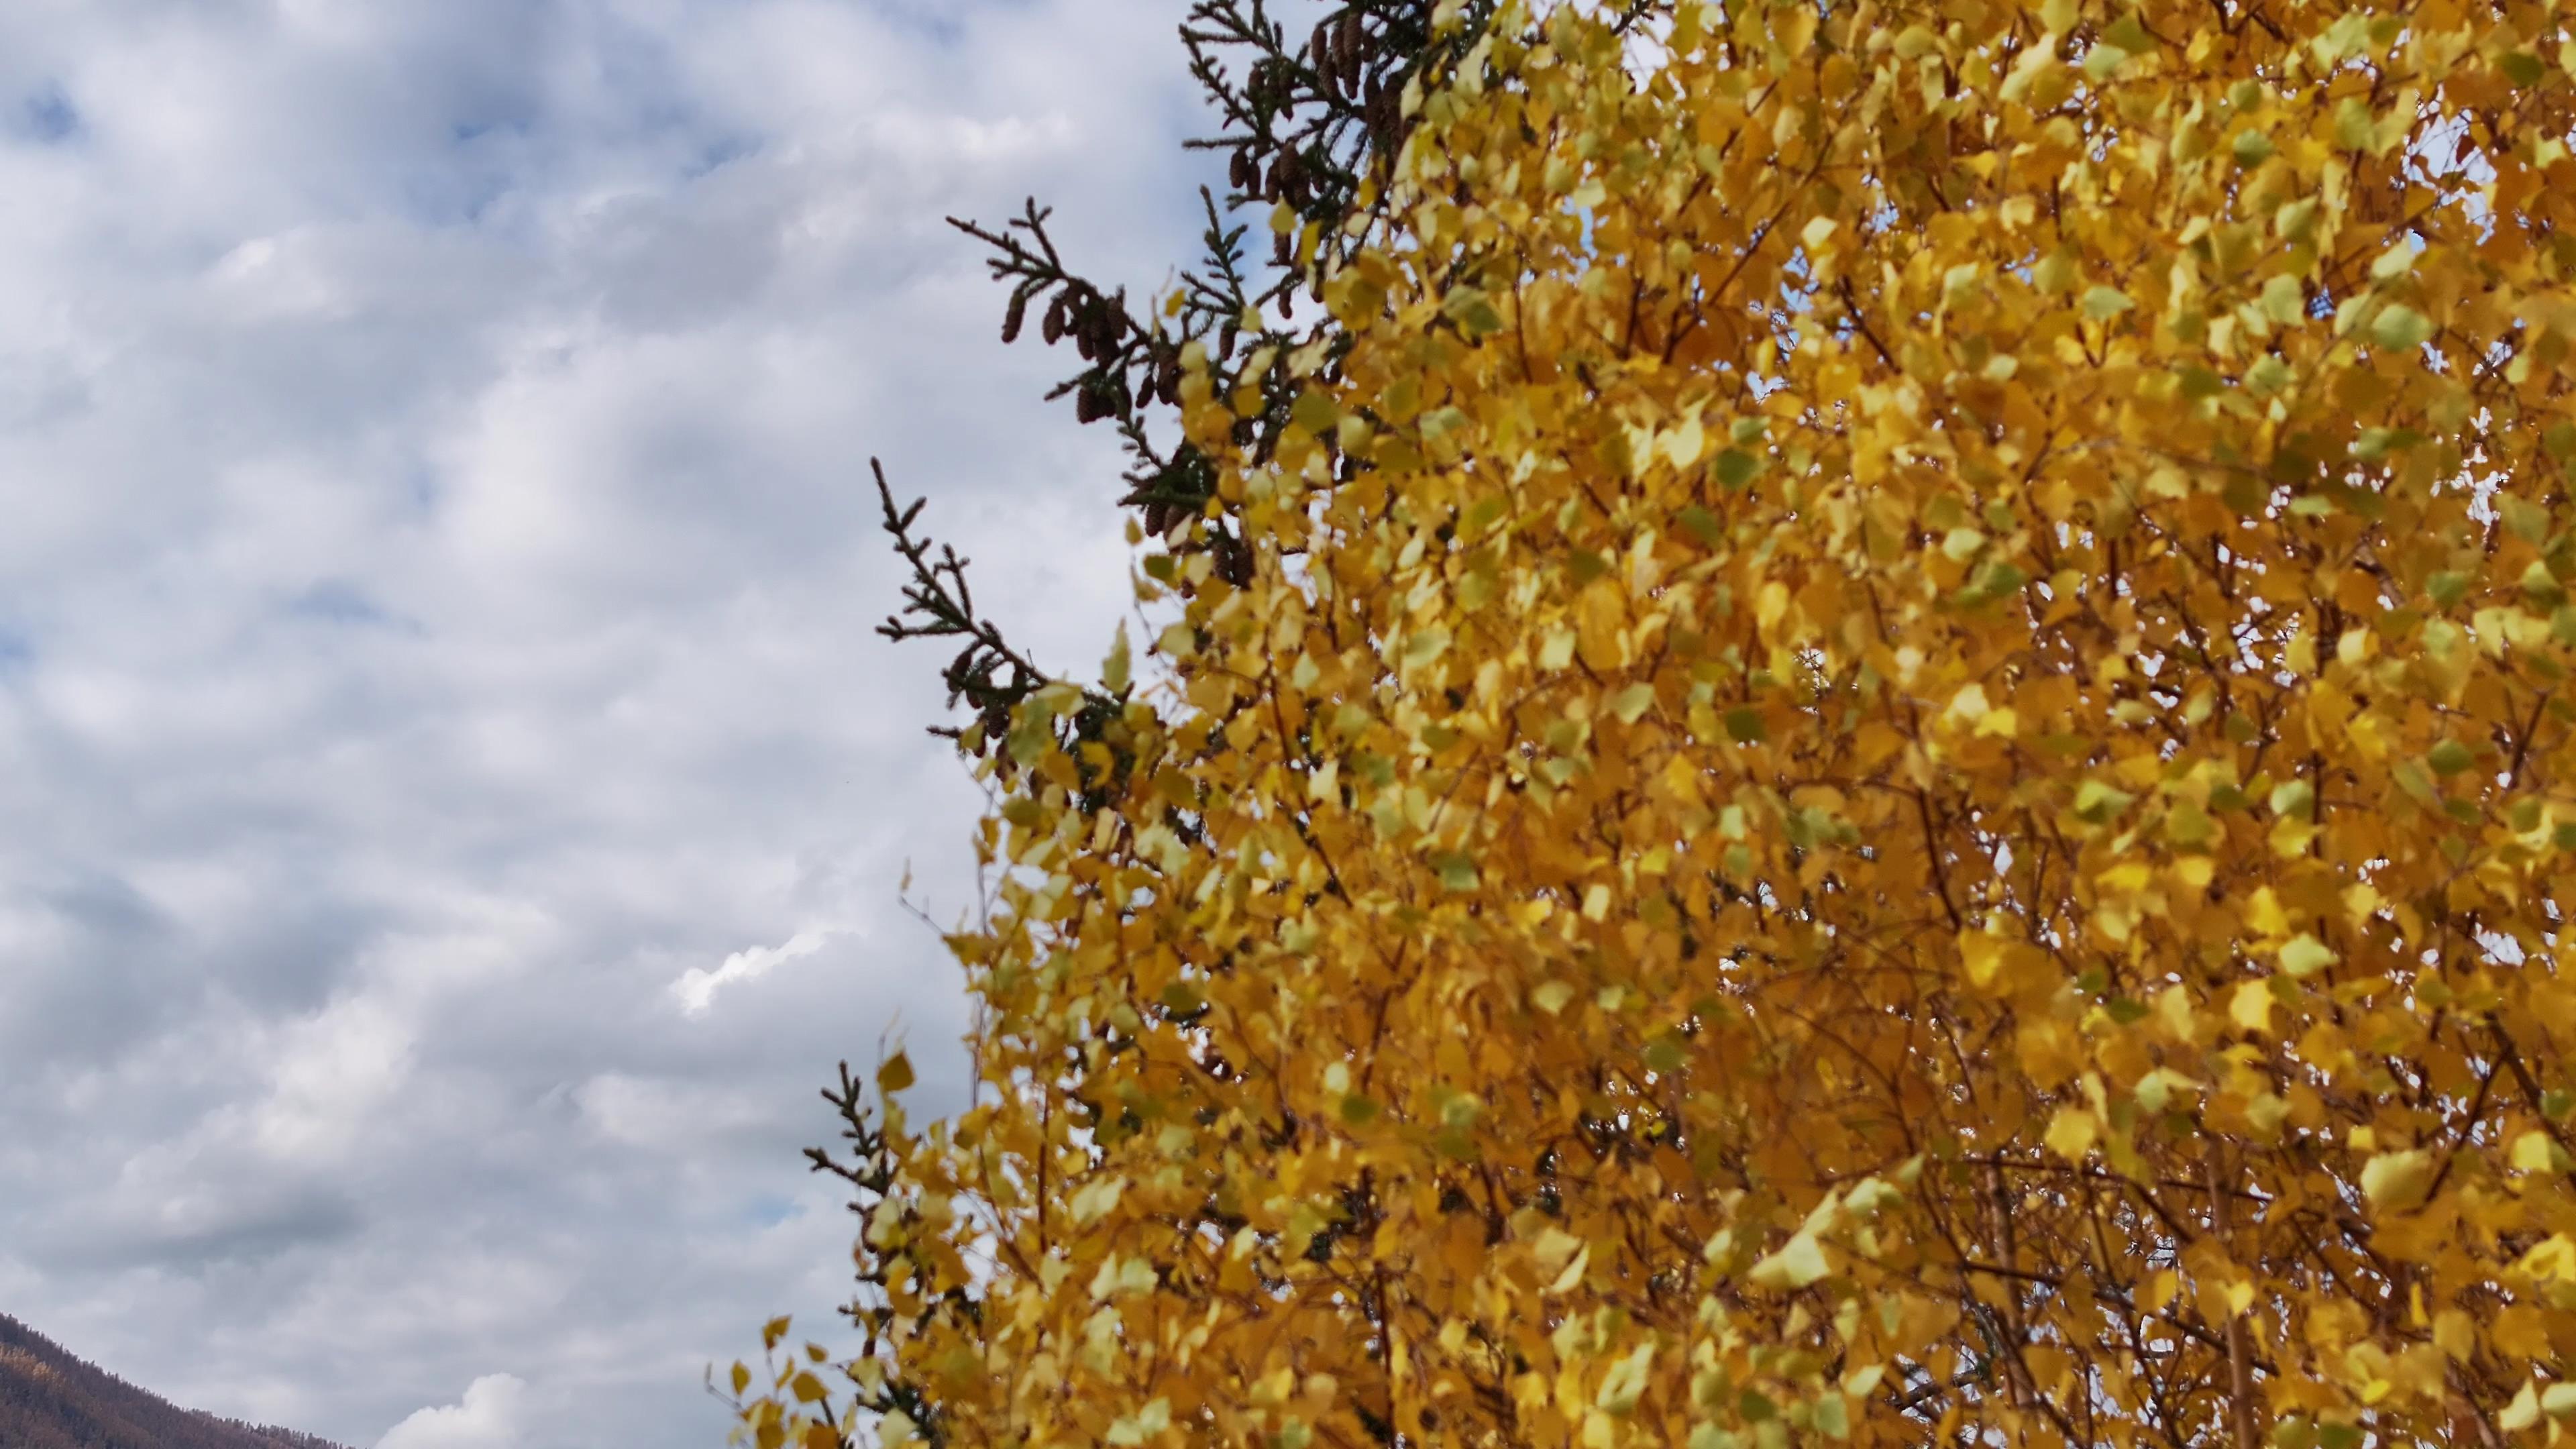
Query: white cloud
[
  {"x": 697, "y": 987},
  {"x": 486, "y": 1418},
  {"x": 330, "y": 1075},
  {"x": 436, "y": 633}
]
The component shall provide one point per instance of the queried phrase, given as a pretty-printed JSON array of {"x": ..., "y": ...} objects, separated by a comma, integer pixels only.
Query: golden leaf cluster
[{"x": 1917, "y": 786}]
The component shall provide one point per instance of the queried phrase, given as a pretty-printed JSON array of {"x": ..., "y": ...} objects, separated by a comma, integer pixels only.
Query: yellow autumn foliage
[{"x": 1922, "y": 794}]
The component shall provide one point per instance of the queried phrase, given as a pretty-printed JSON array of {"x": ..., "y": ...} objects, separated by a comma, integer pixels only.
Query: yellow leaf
[
  {"x": 2397, "y": 1181},
  {"x": 1798, "y": 1263},
  {"x": 895, "y": 1074},
  {"x": 2305, "y": 955},
  {"x": 2072, "y": 1132},
  {"x": 2263, "y": 909},
  {"x": 1982, "y": 956},
  {"x": 1631, "y": 703},
  {"x": 2554, "y": 1259},
  {"x": 2251, "y": 1007},
  {"x": 2522, "y": 1413}
]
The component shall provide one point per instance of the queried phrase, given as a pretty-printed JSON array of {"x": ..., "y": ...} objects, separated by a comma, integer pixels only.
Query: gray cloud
[{"x": 435, "y": 619}]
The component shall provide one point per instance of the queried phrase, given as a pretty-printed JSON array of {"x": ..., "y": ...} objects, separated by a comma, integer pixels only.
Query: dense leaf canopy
[{"x": 1889, "y": 761}]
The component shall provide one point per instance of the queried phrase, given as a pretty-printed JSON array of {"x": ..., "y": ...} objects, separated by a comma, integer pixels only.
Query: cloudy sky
[{"x": 454, "y": 801}]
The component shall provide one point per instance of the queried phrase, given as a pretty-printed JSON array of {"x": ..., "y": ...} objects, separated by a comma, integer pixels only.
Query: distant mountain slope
[{"x": 51, "y": 1400}]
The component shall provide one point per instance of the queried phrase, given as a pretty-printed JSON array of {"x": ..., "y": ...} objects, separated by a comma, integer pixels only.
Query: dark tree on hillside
[{"x": 52, "y": 1400}]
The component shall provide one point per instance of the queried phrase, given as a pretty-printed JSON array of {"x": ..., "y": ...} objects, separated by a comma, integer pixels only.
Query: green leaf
[
  {"x": 2156, "y": 1089},
  {"x": 1457, "y": 872},
  {"x": 1472, "y": 310},
  {"x": 1632, "y": 702},
  {"x": 2097, "y": 803},
  {"x": 2345, "y": 37},
  {"x": 2283, "y": 301},
  {"x": 2104, "y": 303},
  {"x": 2541, "y": 585},
  {"x": 2252, "y": 149},
  {"x": 2450, "y": 757},
  {"x": 1999, "y": 578},
  {"x": 1114, "y": 671},
  {"x": 1315, "y": 412},
  {"x": 1141, "y": 1427},
  {"x": 2187, "y": 825},
  {"x": 1735, "y": 468},
  {"x": 2526, "y": 520},
  {"x": 2400, "y": 326}
]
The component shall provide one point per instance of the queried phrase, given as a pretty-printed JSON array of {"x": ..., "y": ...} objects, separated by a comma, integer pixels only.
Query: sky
[{"x": 455, "y": 801}]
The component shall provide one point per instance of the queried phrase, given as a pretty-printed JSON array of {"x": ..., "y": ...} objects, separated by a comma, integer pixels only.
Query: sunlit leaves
[{"x": 1893, "y": 763}]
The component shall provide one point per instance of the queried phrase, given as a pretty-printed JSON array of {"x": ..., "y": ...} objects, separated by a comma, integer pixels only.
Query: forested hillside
[{"x": 51, "y": 1400}]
